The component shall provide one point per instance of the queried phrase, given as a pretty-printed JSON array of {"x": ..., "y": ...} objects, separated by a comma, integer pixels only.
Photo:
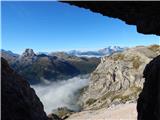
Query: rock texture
[
  {"x": 119, "y": 112},
  {"x": 19, "y": 101},
  {"x": 145, "y": 15},
  {"x": 63, "y": 112},
  {"x": 149, "y": 100},
  {"x": 118, "y": 78}
]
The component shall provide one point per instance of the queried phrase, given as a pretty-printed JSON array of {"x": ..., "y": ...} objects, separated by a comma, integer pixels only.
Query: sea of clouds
[{"x": 61, "y": 93}]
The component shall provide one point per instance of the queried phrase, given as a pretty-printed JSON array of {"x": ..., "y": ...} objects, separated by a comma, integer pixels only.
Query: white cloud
[{"x": 62, "y": 93}]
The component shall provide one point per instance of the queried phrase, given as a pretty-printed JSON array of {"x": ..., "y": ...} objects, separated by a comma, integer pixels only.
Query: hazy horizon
[{"x": 71, "y": 49}]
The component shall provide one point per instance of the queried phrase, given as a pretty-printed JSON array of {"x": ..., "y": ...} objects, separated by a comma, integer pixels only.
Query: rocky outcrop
[
  {"x": 19, "y": 101},
  {"x": 149, "y": 100},
  {"x": 118, "y": 78},
  {"x": 28, "y": 53},
  {"x": 145, "y": 15}
]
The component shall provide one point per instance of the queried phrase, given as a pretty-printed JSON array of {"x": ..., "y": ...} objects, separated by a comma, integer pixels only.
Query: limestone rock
[{"x": 118, "y": 78}]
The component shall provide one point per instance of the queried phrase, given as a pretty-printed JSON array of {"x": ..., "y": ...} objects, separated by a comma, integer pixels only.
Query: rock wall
[
  {"x": 118, "y": 78},
  {"x": 149, "y": 100},
  {"x": 145, "y": 15},
  {"x": 19, "y": 101}
]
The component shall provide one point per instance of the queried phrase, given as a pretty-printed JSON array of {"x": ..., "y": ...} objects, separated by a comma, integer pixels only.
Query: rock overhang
[{"x": 145, "y": 15}]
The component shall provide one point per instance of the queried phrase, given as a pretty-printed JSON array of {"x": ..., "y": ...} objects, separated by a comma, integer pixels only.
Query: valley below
[{"x": 61, "y": 93}]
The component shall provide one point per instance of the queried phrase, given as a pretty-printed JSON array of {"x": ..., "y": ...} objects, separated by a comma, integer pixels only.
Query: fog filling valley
[{"x": 62, "y": 93}]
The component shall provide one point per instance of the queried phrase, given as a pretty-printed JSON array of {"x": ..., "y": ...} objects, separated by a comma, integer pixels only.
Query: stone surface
[
  {"x": 149, "y": 100},
  {"x": 145, "y": 15},
  {"x": 19, "y": 101},
  {"x": 119, "y": 112},
  {"x": 118, "y": 78},
  {"x": 63, "y": 112}
]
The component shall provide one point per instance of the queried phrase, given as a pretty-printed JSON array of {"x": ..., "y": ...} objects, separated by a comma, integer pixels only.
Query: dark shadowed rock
[
  {"x": 19, "y": 101},
  {"x": 145, "y": 15},
  {"x": 149, "y": 100}
]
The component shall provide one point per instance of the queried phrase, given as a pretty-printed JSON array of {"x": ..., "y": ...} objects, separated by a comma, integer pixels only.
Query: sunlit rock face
[
  {"x": 118, "y": 78},
  {"x": 149, "y": 100},
  {"x": 145, "y": 15},
  {"x": 19, "y": 101}
]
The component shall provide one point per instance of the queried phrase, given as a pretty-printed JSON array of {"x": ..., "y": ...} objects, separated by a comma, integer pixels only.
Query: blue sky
[{"x": 55, "y": 26}]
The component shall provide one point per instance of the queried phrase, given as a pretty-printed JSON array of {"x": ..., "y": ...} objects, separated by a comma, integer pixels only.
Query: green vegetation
[
  {"x": 136, "y": 89},
  {"x": 82, "y": 90},
  {"x": 107, "y": 95},
  {"x": 119, "y": 56},
  {"x": 85, "y": 65},
  {"x": 154, "y": 48},
  {"x": 90, "y": 101},
  {"x": 124, "y": 98},
  {"x": 136, "y": 62},
  {"x": 63, "y": 112},
  {"x": 121, "y": 96}
]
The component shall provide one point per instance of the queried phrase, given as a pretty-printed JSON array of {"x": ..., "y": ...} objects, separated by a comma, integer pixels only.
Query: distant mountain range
[
  {"x": 42, "y": 68},
  {"x": 96, "y": 53},
  {"x": 99, "y": 53}
]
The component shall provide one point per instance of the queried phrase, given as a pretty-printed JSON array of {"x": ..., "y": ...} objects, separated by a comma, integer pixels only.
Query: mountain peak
[{"x": 28, "y": 53}]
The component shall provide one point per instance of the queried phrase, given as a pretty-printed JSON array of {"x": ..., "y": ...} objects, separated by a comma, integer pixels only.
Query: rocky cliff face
[
  {"x": 19, "y": 101},
  {"x": 118, "y": 78},
  {"x": 149, "y": 100},
  {"x": 27, "y": 57}
]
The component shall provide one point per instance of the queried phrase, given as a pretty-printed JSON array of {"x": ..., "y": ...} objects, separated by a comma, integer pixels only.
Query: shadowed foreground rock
[
  {"x": 19, "y": 101},
  {"x": 145, "y": 15},
  {"x": 149, "y": 100}
]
